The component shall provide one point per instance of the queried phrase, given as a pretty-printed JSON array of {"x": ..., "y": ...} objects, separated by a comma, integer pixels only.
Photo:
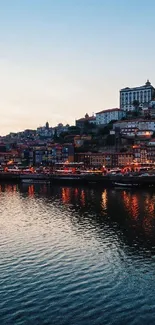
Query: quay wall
[{"x": 98, "y": 180}]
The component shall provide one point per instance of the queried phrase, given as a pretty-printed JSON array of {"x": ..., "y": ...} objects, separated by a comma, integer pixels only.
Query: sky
[{"x": 60, "y": 59}]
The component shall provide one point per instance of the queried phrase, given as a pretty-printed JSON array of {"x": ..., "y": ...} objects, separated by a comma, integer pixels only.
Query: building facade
[
  {"x": 108, "y": 115},
  {"x": 140, "y": 154},
  {"x": 82, "y": 121},
  {"x": 105, "y": 159},
  {"x": 48, "y": 155},
  {"x": 143, "y": 94},
  {"x": 144, "y": 153},
  {"x": 138, "y": 124}
]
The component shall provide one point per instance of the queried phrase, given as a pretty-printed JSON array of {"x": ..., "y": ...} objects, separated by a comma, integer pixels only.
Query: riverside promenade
[{"x": 132, "y": 180}]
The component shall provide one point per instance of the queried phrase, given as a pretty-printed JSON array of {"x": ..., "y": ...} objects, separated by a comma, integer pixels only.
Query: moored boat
[
  {"x": 35, "y": 181},
  {"x": 125, "y": 185}
]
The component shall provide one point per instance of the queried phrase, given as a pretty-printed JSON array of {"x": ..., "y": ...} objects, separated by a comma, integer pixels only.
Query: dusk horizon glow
[{"x": 62, "y": 59}]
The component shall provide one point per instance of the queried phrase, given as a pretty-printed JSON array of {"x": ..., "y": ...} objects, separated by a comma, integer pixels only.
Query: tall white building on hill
[{"x": 143, "y": 94}]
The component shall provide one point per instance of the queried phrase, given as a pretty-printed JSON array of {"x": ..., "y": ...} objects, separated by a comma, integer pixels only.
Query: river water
[{"x": 76, "y": 256}]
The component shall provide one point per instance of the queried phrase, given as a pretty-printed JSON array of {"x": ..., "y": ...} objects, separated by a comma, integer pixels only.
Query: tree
[
  {"x": 74, "y": 130},
  {"x": 110, "y": 141},
  {"x": 55, "y": 136},
  {"x": 135, "y": 114},
  {"x": 147, "y": 117},
  {"x": 103, "y": 131},
  {"x": 63, "y": 136},
  {"x": 123, "y": 149},
  {"x": 88, "y": 125},
  {"x": 112, "y": 122}
]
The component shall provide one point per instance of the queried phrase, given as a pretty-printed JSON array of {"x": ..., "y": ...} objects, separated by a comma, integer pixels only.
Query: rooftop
[
  {"x": 83, "y": 119},
  {"x": 147, "y": 85},
  {"x": 110, "y": 110}
]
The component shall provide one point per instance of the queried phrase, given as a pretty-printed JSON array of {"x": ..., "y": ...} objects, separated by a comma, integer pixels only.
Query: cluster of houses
[
  {"x": 143, "y": 153},
  {"x": 140, "y": 98},
  {"x": 133, "y": 123},
  {"x": 33, "y": 154}
]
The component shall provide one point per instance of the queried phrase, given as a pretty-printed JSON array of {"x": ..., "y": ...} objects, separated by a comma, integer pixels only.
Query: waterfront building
[
  {"x": 83, "y": 157},
  {"x": 52, "y": 154},
  {"x": 105, "y": 159},
  {"x": 105, "y": 116},
  {"x": 102, "y": 159},
  {"x": 11, "y": 157},
  {"x": 145, "y": 152},
  {"x": 125, "y": 159},
  {"x": 140, "y": 153},
  {"x": 143, "y": 94}
]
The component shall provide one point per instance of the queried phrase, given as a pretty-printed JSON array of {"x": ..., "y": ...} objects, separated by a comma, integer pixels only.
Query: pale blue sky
[{"x": 62, "y": 58}]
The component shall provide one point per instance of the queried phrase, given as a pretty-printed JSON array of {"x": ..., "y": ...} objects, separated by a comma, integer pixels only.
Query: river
[{"x": 76, "y": 256}]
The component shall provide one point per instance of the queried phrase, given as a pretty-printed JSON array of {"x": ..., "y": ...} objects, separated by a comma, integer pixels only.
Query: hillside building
[
  {"x": 108, "y": 115},
  {"x": 143, "y": 94}
]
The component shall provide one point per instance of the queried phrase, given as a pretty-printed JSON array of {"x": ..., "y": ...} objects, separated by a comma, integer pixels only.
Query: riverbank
[{"x": 143, "y": 180}]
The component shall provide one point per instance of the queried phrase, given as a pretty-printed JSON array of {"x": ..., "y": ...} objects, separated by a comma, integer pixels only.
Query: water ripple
[{"x": 76, "y": 256}]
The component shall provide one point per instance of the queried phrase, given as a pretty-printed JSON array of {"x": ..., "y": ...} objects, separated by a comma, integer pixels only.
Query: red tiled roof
[
  {"x": 83, "y": 119},
  {"x": 110, "y": 110}
]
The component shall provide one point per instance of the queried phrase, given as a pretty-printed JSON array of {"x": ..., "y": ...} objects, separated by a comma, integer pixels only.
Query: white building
[
  {"x": 152, "y": 104},
  {"x": 137, "y": 123},
  {"x": 143, "y": 94},
  {"x": 151, "y": 142},
  {"x": 44, "y": 131},
  {"x": 105, "y": 116},
  {"x": 132, "y": 133}
]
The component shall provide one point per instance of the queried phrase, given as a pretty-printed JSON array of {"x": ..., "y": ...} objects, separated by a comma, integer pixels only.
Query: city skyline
[{"x": 64, "y": 58}]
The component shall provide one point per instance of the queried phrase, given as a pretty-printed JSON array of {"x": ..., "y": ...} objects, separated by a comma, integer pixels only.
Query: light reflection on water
[{"x": 76, "y": 255}]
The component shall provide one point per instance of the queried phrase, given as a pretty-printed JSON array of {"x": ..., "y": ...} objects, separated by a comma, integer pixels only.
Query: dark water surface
[{"x": 76, "y": 256}]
